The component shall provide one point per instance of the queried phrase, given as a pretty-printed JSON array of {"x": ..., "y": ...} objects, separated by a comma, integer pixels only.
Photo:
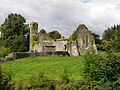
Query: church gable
[{"x": 80, "y": 42}]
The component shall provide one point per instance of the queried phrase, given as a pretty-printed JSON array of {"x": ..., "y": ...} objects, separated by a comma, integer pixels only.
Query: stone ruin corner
[{"x": 81, "y": 42}]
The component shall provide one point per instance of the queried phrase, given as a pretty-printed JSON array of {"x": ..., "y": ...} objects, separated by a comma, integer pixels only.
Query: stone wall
[
  {"x": 73, "y": 49},
  {"x": 61, "y": 45},
  {"x": 81, "y": 42},
  {"x": 47, "y": 46},
  {"x": 33, "y": 32}
]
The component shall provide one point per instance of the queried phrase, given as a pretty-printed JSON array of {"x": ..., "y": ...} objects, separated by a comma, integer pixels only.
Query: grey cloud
[{"x": 65, "y": 15}]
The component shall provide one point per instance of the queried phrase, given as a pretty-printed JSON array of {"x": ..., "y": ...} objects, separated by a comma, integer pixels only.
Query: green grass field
[{"x": 52, "y": 67}]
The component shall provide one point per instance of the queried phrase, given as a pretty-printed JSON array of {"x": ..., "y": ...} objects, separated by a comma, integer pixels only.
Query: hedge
[{"x": 19, "y": 55}]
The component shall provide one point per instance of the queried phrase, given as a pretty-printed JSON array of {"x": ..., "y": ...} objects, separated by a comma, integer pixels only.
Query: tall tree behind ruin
[
  {"x": 112, "y": 35},
  {"x": 15, "y": 33},
  {"x": 54, "y": 35}
]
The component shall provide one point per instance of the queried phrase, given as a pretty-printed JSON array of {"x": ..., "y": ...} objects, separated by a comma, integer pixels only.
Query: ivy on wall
[
  {"x": 35, "y": 25},
  {"x": 72, "y": 38}
]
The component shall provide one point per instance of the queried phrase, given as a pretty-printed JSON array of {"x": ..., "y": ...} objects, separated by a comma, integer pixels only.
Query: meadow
[
  {"x": 51, "y": 67},
  {"x": 48, "y": 73}
]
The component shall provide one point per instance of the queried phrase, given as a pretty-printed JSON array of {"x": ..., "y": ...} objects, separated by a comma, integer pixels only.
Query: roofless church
[{"x": 81, "y": 41}]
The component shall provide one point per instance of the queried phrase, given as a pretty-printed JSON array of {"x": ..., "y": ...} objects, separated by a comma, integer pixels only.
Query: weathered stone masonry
[{"x": 81, "y": 42}]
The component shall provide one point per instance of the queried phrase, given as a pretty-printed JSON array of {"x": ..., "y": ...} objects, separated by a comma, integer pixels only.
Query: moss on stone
[
  {"x": 92, "y": 40},
  {"x": 35, "y": 25},
  {"x": 72, "y": 38},
  {"x": 35, "y": 37}
]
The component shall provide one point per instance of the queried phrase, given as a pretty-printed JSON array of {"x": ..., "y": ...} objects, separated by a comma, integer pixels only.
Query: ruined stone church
[{"x": 81, "y": 41}]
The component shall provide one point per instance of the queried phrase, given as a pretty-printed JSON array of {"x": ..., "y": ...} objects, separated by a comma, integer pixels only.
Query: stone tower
[{"x": 33, "y": 32}]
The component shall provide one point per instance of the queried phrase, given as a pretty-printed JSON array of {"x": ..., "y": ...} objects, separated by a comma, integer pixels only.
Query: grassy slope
[{"x": 52, "y": 67}]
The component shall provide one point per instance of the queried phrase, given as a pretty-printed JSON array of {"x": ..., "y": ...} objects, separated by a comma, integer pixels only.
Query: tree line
[
  {"x": 14, "y": 36},
  {"x": 15, "y": 32}
]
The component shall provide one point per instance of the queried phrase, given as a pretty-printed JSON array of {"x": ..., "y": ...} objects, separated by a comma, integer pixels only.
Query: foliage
[
  {"x": 5, "y": 81},
  {"x": 35, "y": 37},
  {"x": 54, "y": 35},
  {"x": 41, "y": 82},
  {"x": 15, "y": 33},
  {"x": 59, "y": 53},
  {"x": 4, "y": 52},
  {"x": 100, "y": 72},
  {"x": 19, "y": 55},
  {"x": 52, "y": 66},
  {"x": 103, "y": 71},
  {"x": 35, "y": 25},
  {"x": 97, "y": 38},
  {"x": 42, "y": 31},
  {"x": 99, "y": 46},
  {"x": 112, "y": 35},
  {"x": 72, "y": 37},
  {"x": 90, "y": 51},
  {"x": 106, "y": 45},
  {"x": 115, "y": 45}
]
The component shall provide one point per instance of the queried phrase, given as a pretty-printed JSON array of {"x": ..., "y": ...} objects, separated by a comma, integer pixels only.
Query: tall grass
[{"x": 52, "y": 67}]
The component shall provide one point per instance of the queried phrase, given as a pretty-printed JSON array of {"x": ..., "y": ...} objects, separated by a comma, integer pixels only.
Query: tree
[
  {"x": 112, "y": 35},
  {"x": 15, "y": 33},
  {"x": 54, "y": 35},
  {"x": 42, "y": 31}
]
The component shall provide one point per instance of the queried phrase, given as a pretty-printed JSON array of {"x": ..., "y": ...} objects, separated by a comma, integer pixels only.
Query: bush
[
  {"x": 5, "y": 81},
  {"x": 19, "y": 55},
  {"x": 37, "y": 82},
  {"x": 59, "y": 53},
  {"x": 62, "y": 53},
  {"x": 4, "y": 52},
  {"x": 103, "y": 71},
  {"x": 41, "y": 82}
]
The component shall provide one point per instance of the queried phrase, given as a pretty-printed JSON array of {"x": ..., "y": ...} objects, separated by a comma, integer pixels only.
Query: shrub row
[
  {"x": 59, "y": 53},
  {"x": 41, "y": 82},
  {"x": 19, "y": 55}
]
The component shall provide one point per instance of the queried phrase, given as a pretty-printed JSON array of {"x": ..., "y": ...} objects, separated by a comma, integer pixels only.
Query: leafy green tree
[
  {"x": 112, "y": 35},
  {"x": 15, "y": 33},
  {"x": 54, "y": 35},
  {"x": 42, "y": 31}
]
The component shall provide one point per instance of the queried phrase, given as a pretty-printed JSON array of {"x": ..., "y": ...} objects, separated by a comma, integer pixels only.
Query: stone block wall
[{"x": 82, "y": 43}]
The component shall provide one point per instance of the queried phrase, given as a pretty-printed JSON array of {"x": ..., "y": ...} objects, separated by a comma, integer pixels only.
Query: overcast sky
[{"x": 65, "y": 15}]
